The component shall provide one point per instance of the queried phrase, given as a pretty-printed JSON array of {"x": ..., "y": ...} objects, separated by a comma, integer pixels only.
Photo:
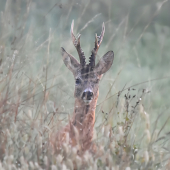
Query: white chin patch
[{"x": 87, "y": 102}]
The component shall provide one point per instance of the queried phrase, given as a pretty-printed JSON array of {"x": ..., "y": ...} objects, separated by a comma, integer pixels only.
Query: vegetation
[{"x": 36, "y": 90}]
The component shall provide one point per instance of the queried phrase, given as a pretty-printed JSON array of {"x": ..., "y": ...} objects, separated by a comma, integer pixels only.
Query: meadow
[{"x": 132, "y": 128}]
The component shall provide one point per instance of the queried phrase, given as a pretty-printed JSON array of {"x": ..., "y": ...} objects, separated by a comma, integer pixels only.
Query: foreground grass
[{"x": 36, "y": 96}]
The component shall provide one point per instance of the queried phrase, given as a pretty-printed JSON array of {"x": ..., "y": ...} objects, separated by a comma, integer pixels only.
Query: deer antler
[
  {"x": 76, "y": 43},
  {"x": 98, "y": 41}
]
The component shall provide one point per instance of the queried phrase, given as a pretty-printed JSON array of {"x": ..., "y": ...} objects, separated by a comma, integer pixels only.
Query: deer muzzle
[{"x": 87, "y": 96}]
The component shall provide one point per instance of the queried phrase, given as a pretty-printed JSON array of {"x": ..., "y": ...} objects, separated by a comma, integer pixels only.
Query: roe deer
[{"x": 87, "y": 77}]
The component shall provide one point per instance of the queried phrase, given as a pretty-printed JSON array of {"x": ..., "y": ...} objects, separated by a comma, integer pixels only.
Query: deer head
[{"x": 87, "y": 76}]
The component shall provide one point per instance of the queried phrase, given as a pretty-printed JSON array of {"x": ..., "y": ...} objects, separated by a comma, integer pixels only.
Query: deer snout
[{"x": 87, "y": 96}]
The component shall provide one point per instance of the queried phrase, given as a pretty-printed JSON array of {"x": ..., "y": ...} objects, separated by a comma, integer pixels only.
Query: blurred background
[
  {"x": 37, "y": 90},
  {"x": 138, "y": 31}
]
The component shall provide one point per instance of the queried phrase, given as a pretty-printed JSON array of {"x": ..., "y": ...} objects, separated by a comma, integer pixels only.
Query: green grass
[{"x": 36, "y": 89}]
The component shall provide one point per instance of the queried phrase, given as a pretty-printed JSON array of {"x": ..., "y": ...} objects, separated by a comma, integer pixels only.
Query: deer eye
[
  {"x": 96, "y": 81},
  {"x": 78, "y": 81}
]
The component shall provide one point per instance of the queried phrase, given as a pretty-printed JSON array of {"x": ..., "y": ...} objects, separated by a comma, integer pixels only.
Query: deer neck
[{"x": 82, "y": 112}]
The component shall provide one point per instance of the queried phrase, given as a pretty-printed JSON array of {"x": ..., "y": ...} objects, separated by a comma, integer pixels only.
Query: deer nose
[{"x": 88, "y": 95}]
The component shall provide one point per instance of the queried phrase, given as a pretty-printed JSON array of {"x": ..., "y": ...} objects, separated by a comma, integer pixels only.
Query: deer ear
[
  {"x": 105, "y": 63},
  {"x": 71, "y": 63}
]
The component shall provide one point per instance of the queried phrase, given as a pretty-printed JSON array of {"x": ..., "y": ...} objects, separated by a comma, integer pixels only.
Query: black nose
[{"x": 88, "y": 95}]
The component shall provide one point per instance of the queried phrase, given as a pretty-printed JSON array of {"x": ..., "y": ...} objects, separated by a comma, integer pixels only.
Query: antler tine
[
  {"x": 76, "y": 43},
  {"x": 98, "y": 41}
]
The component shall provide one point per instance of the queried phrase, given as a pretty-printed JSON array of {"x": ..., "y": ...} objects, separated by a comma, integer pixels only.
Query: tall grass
[{"x": 36, "y": 90}]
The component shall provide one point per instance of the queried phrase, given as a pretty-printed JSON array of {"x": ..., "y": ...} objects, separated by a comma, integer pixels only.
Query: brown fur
[
  {"x": 79, "y": 131},
  {"x": 80, "y": 127}
]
